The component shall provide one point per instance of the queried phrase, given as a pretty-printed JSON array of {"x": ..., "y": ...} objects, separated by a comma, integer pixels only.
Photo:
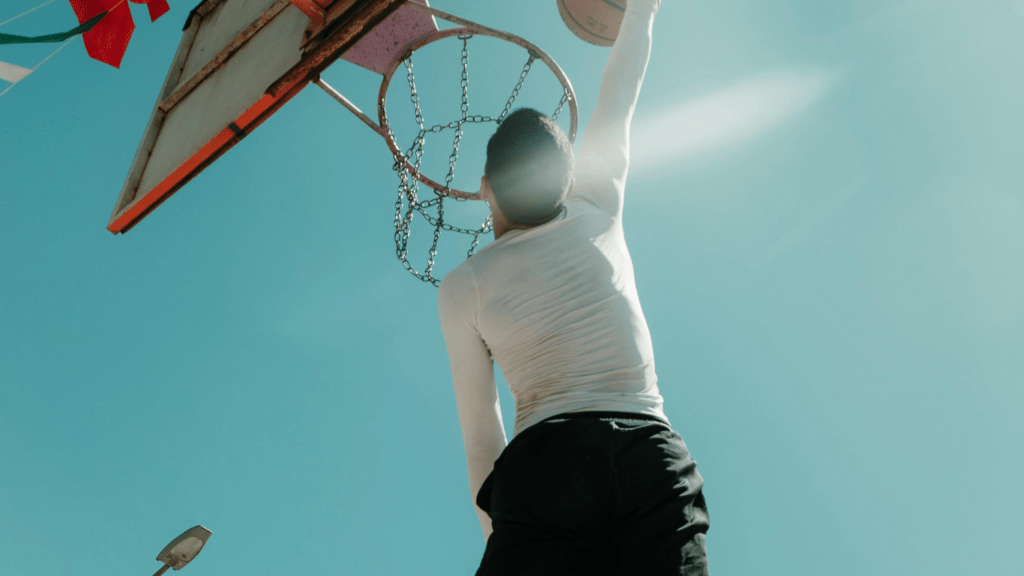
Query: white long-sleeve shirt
[{"x": 556, "y": 305}]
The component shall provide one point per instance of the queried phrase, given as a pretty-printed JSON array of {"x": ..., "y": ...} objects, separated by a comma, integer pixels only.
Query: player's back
[{"x": 558, "y": 309}]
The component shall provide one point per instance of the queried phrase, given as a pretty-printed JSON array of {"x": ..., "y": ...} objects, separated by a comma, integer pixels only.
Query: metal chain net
[{"x": 407, "y": 166}]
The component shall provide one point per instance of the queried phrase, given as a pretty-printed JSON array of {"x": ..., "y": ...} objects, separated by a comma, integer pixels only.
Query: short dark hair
[{"x": 529, "y": 167}]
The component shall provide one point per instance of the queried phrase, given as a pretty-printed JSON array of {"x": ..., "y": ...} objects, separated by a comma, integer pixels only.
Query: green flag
[{"x": 59, "y": 37}]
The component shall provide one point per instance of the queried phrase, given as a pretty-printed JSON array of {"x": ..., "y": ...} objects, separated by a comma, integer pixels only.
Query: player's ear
[{"x": 485, "y": 189}]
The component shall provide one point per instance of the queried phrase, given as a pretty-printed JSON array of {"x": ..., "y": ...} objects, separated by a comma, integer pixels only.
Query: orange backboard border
[{"x": 337, "y": 37}]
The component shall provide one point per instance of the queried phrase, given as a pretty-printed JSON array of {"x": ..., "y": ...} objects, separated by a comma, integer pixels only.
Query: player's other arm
[
  {"x": 476, "y": 396},
  {"x": 604, "y": 153}
]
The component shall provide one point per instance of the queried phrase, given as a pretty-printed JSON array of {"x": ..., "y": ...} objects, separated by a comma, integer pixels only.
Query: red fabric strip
[
  {"x": 108, "y": 40},
  {"x": 157, "y": 8}
]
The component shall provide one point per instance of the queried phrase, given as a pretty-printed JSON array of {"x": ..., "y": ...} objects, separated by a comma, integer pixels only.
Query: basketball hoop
[{"x": 408, "y": 161}]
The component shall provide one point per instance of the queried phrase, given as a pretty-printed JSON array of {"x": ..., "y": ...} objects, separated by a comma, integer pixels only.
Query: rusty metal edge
[
  {"x": 315, "y": 32},
  {"x": 202, "y": 9},
  {"x": 313, "y": 10},
  {"x": 226, "y": 53},
  {"x": 156, "y": 119},
  {"x": 340, "y": 36}
]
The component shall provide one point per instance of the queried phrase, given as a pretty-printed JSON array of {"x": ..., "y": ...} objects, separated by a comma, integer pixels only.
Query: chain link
[
  {"x": 519, "y": 86},
  {"x": 407, "y": 166},
  {"x": 561, "y": 103}
]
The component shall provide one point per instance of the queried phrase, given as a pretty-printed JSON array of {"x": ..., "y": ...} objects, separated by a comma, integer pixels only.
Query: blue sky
[{"x": 825, "y": 215}]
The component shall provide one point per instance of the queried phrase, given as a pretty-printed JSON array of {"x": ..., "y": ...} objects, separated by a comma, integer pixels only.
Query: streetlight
[{"x": 183, "y": 549}]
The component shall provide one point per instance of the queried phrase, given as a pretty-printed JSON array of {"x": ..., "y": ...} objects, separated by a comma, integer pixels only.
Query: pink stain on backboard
[{"x": 376, "y": 50}]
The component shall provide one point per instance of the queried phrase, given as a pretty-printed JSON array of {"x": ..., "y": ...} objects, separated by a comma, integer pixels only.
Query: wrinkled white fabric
[{"x": 556, "y": 305}]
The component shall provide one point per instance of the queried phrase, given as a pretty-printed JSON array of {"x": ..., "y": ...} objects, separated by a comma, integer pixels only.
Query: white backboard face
[{"x": 238, "y": 62}]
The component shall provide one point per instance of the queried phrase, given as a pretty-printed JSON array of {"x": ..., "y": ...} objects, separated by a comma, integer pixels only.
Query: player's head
[{"x": 529, "y": 167}]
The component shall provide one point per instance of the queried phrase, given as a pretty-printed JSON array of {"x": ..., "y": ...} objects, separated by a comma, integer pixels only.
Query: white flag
[{"x": 12, "y": 73}]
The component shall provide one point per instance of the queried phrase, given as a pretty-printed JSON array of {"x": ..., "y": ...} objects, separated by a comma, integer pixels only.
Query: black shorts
[{"x": 595, "y": 493}]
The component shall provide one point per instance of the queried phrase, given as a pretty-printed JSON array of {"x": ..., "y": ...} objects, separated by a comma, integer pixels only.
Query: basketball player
[{"x": 595, "y": 481}]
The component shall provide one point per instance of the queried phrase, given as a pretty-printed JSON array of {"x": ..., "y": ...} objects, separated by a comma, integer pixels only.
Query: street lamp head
[{"x": 184, "y": 548}]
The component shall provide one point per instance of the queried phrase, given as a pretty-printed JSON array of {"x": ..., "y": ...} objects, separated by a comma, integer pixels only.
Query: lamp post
[{"x": 183, "y": 549}]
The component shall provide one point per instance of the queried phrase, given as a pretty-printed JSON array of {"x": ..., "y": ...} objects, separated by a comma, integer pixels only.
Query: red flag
[
  {"x": 108, "y": 40},
  {"x": 157, "y": 8}
]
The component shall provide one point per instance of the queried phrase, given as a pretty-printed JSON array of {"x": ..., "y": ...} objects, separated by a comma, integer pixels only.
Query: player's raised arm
[
  {"x": 476, "y": 396},
  {"x": 604, "y": 155}
]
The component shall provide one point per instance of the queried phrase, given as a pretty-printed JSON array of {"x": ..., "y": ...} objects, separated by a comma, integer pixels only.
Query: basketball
[{"x": 596, "y": 21}]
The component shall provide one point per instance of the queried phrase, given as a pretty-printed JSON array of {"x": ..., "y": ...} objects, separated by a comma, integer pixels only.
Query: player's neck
[{"x": 500, "y": 225}]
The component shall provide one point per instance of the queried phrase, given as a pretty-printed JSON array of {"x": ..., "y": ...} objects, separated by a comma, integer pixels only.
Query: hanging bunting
[
  {"x": 13, "y": 73},
  {"x": 108, "y": 40},
  {"x": 16, "y": 74},
  {"x": 157, "y": 8},
  {"x": 106, "y": 27},
  {"x": 59, "y": 37}
]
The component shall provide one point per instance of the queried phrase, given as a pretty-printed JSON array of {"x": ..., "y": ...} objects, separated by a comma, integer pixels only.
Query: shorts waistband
[{"x": 605, "y": 415}]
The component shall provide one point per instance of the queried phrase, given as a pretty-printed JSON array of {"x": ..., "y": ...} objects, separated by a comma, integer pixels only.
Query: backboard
[{"x": 238, "y": 62}]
